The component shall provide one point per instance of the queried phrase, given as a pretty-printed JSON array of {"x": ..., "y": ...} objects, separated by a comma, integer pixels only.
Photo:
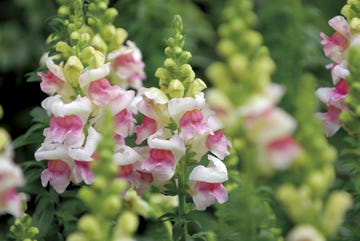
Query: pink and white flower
[
  {"x": 207, "y": 185},
  {"x": 331, "y": 120},
  {"x": 128, "y": 67},
  {"x": 336, "y": 45},
  {"x": 53, "y": 81},
  {"x": 11, "y": 202},
  {"x": 57, "y": 174}
]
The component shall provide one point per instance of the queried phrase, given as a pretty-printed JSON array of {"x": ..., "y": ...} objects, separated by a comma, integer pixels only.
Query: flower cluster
[
  {"x": 11, "y": 177},
  {"x": 270, "y": 128},
  {"x": 80, "y": 87},
  {"x": 336, "y": 49},
  {"x": 244, "y": 97},
  {"x": 175, "y": 119}
]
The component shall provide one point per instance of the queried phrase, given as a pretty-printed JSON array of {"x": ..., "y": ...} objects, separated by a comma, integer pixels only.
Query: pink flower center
[
  {"x": 59, "y": 167},
  {"x": 192, "y": 117},
  {"x": 206, "y": 186},
  {"x": 214, "y": 139},
  {"x": 342, "y": 87},
  {"x": 159, "y": 156}
]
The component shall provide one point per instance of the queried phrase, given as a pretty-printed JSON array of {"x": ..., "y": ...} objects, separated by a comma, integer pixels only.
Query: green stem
[{"x": 182, "y": 198}]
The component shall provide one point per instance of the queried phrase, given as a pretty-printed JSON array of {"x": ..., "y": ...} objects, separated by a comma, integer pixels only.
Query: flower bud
[
  {"x": 98, "y": 43},
  {"x": 4, "y": 138},
  {"x": 110, "y": 14},
  {"x": 336, "y": 206},
  {"x": 63, "y": 10},
  {"x": 128, "y": 222},
  {"x": 73, "y": 68},
  {"x": 77, "y": 237},
  {"x": 112, "y": 204},
  {"x": 169, "y": 62},
  {"x": 252, "y": 38},
  {"x": 305, "y": 232},
  {"x": 196, "y": 87},
  {"x": 219, "y": 75},
  {"x": 238, "y": 64},
  {"x": 90, "y": 226},
  {"x": 75, "y": 35},
  {"x": 355, "y": 24},
  {"x": 118, "y": 185},
  {"x": 97, "y": 60},
  {"x": 120, "y": 36},
  {"x": 63, "y": 47},
  {"x": 162, "y": 73},
  {"x": 226, "y": 47},
  {"x": 176, "y": 89}
]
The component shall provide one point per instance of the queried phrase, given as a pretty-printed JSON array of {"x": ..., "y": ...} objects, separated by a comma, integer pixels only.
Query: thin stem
[{"x": 182, "y": 198}]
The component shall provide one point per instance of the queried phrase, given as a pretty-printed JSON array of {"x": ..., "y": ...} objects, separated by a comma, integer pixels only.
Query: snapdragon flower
[
  {"x": 11, "y": 177},
  {"x": 336, "y": 49}
]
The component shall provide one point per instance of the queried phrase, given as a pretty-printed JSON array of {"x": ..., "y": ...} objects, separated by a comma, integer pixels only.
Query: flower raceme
[
  {"x": 169, "y": 128},
  {"x": 336, "y": 49}
]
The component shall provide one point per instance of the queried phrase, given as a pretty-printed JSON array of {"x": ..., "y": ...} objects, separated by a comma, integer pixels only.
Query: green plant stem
[{"x": 182, "y": 198}]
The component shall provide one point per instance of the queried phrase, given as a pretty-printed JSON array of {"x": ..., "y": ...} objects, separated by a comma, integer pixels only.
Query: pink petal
[{"x": 148, "y": 127}]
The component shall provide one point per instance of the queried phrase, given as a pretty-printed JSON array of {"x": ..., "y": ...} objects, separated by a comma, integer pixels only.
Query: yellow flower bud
[
  {"x": 336, "y": 206},
  {"x": 253, "y": 38},
  {"x": 4, "y": 138},
  {"x": 111, "y": 13},
  {"x": 162, "y": 73},
  {"x": 226, "y": 47},
  {"x": 75, "y": 35},
  {"x": 90, "y": 226},
  {"x": 98, "y": 43},
  {"x": 220, "y": 77},
  {"x": 128, "y": 222},
  {"x": 355, "y": 25},
  {"x": 196, "y": 87},
  {"x": 120, "y": 36},
  {"x": 169, "y": 62},
  {"x": 118, "y": 185},
  {"x": 176, "y": 89},
  {"x": 73, "y": 69},
  {"x": 112, "y": 204},
  {"x": 77, "y": 237},
  {"x": 97, "y": 60},
  {"x": 63, "y": 47},
  {"x": 63, "y": 10},
  {"x": 238, "y": 64},
  {"x": 102, "y": 5}
]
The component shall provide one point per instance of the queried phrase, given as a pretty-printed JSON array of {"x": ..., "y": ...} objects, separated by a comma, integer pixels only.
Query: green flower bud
[
  {"x": 63, "y": 47},
  {"x": 162, "y": 73},
  {"x": 102, "y": 5},
  {"x": 112, "y": 204},
  {"x": 100, "y": 183},
  {"x": 253, "y": 39},
  {"x": 90, "y": 226},
  {"x": 226, "y": 47},
  {"x": 77, "y": 237},
  {"x": 4, "y": 138},
  {"x": 336, "y": 206},
  {"x": 63, "y": 10},
  {"x": 169, "y": 62},
  {"x": 73, "y": 69},
  {"x": 196, "y": 87},
  {"x": 224, "y": 31},
  {"x": 87, "y": 195},
  {"x": 111, "y": 14},
  {"x": 347, "y": 11},
  {"x": 355, "y": 25},
  {"x": 98, "y": 43},
  {"x": 128, "y": 222},
  {"x": 219, "y": 76},
  {"x": 118, "y": 185},
  {"x": 120, "y": 36},
  {"x": 33, "y": 231},
  {"x": 176, "y": 89},
  {"x": 75, "y": 35},
  {"x": 238, "y": 64},
  {"x": 97, "y": 60}
]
